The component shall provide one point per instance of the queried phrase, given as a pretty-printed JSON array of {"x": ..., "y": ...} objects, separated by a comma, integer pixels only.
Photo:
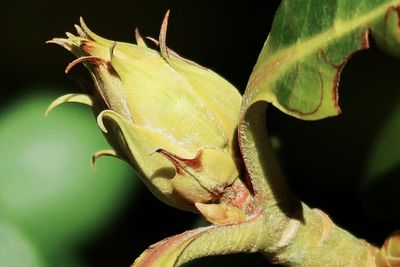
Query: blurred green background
[{"x": 56, "y": 211}]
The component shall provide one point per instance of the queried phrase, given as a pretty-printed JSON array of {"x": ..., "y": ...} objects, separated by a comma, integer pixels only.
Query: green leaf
[{"x": 299, "y": 67}]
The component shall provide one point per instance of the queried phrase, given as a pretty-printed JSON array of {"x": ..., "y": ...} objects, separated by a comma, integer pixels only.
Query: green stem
[
  {"x": 268, "y": 182},
  {"x": 307, "y": 236},
  {"x": 224, "y": 240}
]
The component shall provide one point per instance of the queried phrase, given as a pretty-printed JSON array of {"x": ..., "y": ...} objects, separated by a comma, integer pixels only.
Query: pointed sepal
[
  {"x": 139, "y": 39},
  {"x": 102, "y": 153},
  {"x": 138, "y": 145},
  {"x": 70, "y": 98},
  {"x": 85, "y": 32},
  {"x": 163, "y": 37}
]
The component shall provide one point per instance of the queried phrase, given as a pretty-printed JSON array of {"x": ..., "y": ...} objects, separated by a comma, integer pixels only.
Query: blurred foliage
[
  {"x": 16, "y": 249},
  {"x": 47, "y": 187},
  {"x": 381, "y": 184}
]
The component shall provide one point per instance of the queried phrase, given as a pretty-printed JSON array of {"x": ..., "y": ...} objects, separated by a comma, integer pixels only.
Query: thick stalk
[{"x": 307, "y": 236}]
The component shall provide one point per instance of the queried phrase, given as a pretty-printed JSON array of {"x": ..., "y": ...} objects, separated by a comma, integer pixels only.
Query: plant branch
[{"x": 307, "y": 236}]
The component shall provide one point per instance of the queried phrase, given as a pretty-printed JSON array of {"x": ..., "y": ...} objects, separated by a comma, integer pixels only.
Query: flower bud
[{"x": 171, "y": 119}]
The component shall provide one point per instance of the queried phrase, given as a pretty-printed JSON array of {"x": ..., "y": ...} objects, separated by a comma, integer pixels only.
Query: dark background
[{"x": 325, "y": 161}]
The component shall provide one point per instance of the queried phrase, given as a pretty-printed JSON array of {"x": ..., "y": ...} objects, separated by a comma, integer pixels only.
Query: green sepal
[
  {"x": 91, "y": 35},
  {"x": 212, "y": 169},
  {"x": 161, "y": 99},
  {"x": 139, "y": 145},
  {"x": 70, "y": 98},
  {"x": 220, "y": 97}
]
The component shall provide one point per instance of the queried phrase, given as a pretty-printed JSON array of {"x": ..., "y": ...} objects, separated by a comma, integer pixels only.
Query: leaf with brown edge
[
  {"x": 201, "y": 242},
  {"x": 299, "y": 67},
  {"x": 167, "y": 251}
]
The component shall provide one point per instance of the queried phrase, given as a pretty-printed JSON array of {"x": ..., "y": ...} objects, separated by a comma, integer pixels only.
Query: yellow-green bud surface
[{"x": 171, "y": 119}]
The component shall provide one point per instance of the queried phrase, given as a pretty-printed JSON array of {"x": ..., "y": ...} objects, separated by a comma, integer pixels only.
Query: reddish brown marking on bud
[
  {"x": 242, "y": 195},
  {"x": 172, "y": 158},
  {"x": 91, "y": 59},
  {"x": 86, "y": 46},
  {"x": 181, "y": 163},
  {"x": 218, "y": 190},
  {"x": 194, "y": 163}
]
